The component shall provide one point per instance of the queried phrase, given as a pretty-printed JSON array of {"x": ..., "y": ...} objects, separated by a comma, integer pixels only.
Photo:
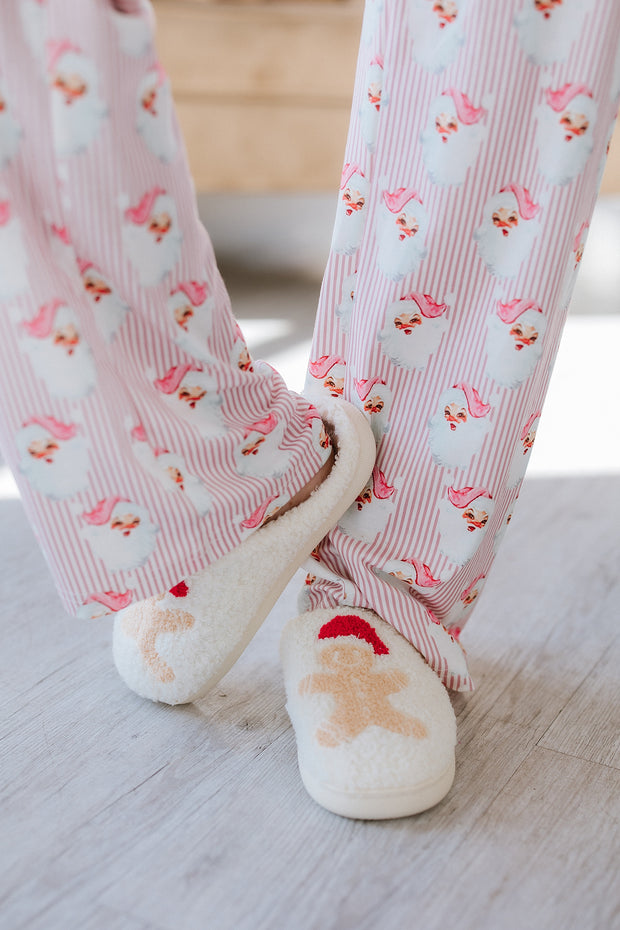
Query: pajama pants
[{"x": 147, "y": 443}]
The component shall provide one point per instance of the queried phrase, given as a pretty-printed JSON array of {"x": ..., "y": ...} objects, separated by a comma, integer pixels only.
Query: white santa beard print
[
  {"x": 379, "y": 423},
  {"x": 412, "y": 350},
  {"x": 398, "y": 257},
  {"x": 110, "y": 313},
  {"x": 192, "y": 338},
  {"x": 10, "y": 134},
  {"x": 76, "y": 124},
  {"x": 369, "y": 123},
  {"x": 13, "y": 261},
  {"x": 192, "y": 488},
  {"x": 33, "y": 16},
  {"x": 504, "y": 255},
  {"x": 455, "y": 448},
  {"x": 457, "y": 542},
  {"x": 65, "y": 475},
  {"x": 65, "y": 375},
  {"x": 269, "y": 461},
  {"x": 546, "y": 40},
  {"x": 152, "y": 260},
  {"x": 448, "y": 162},
  {"x": 345, "y": 307},
  {"x": 206, "y": 416},
  {"x": 134, "y": 33},
  {"x": 366, "y": 523},
  {"x": 518, "y": 465},
  {"x": 506, "y": 364},
  {"x": 348, "y": 230},
  {"x": 122, "y": 553},
  {"x": 560, "y": 161},
  {"x": 434, "y": 48},
  {"x": 157, "y": 128}
]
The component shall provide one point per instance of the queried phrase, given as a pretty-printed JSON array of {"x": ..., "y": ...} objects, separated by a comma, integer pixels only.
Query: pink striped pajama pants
[{"x": 145, "y": 441}]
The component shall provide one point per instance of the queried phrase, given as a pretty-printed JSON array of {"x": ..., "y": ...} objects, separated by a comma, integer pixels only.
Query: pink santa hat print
[
  {"x": 56, "y": 48},
  {"x": 427, "y": 305},
  {"x": 256, "y": 518},
  {"x": 102, "y": 513},
  {"x": 526, "y": 206},
  {"x": 397, "y": 200},
  {"x": 264, "y": 426},
  {"x": 41, "y": 326},
  {"x": 559, "y": 99},
  {"x": 423, "y": 576},
  {"x": 55, "y": 428},
  {"x": 320, "y": 367},
  {"x": 364, "y": 387},
  {"x": 5, "y": 212},
  {"x": 511, "y": 311},
  {"x": 139, "y": 214},
  {"x": 476, "y": 406},
  {"x": 529, "y": 425},
  {"x": 348, "y": 172},
  {"x": 173, "y": 377},
  {"x": 195, "y": 291},
  {"x": 463, "y": 497},
  {"x": 380, "y": 488},
  {"x": 465, "y": 111},
  {"x": 113, "y": 600}
]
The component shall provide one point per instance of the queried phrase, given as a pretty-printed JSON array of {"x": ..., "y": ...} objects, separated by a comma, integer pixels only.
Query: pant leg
[
  {"x": 145, "y": 442},
  {"x": 476, "y": 148}
]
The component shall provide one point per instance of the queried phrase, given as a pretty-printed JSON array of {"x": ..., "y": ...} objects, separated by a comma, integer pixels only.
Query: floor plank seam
[{"x": 573, "y": 755}]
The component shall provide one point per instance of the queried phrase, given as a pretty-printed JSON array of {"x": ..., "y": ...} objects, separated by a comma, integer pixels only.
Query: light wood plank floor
[{"x": 116, "y": 814}]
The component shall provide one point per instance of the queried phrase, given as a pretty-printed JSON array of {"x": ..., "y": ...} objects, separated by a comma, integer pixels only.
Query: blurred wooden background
[{"x": 263, "y": 90}]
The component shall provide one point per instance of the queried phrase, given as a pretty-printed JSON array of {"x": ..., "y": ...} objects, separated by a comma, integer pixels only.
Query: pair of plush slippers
[{"x": 374, "y": 725}]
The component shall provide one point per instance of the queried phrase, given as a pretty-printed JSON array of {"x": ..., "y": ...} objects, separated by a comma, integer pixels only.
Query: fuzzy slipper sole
[
  {"x": 229, "y": 600},
  {"x": 380, "y": 804}
]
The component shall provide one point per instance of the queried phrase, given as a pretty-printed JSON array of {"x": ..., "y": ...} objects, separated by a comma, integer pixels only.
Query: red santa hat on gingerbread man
[{"x": 352, "y": 625}]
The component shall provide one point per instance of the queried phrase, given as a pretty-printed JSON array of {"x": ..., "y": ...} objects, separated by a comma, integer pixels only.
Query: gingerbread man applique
[
  {"x": 146, "y": 625},
  {"x": 359, "y": 690}
]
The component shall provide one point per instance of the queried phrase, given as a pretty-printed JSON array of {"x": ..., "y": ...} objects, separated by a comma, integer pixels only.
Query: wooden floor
[{"x": 117, "y": 814}]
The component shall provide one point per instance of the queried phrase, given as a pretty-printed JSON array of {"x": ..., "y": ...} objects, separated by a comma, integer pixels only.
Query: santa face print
[
  {"x": 375, "y": 399},
  {"x": 53, "y": 457},
  {"x": 371, "y": 104},
  {"x": 514, "y": 346},
  {"x": 505, "y": 238},
  {"x": 191, "y": 312},
  {"x": 350, "y": 215},
  {"x": 548, "y": 28},
  {"x": 436, "y": 30},
  {"x": 325, "y": 376},
  {"x": 371, "y": 510},
  {"x": 193, "y": 395},
  {"x": 409, "y": 337},
  {"x": 456, "y": 434},
  {"x": 450, "y": 146},
  {"x": 123, "y": 539},
  {"x": 259, "y": 454},
  {"x": 521, "y": 456},
  {"x": 171, "y": 471},
  {"x": 345, "y": 307},
  {"x": 463, "y": 526},
  {"x": 110, "y": 311},
  {"x": 565, "y": 134},
  {"x": 13, "y": 258},
  {"x": 77, "y": 110},
  {"x": 58, "y": 352},
  {"x": 155, "y": 115},
  {"x": 151, "y": 237},
  {"x": 10, "y": 131},
  {"x": 402, "y": 233}
]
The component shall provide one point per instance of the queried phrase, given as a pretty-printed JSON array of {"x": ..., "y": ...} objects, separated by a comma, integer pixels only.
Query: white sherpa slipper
[
  {"x": 375, "y": 728},
  {"x": 175, "y": 647}
]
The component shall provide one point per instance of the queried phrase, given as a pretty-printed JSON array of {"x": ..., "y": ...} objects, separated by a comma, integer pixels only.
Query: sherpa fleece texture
[
  {"x": 377, "y": 773},
  {"x": 175, "y": 648}
]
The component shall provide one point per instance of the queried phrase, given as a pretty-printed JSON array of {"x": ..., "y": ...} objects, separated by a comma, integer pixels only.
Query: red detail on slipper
[
  {"x": 352, "y": 625},
  {"x": 180, "y": 589}
]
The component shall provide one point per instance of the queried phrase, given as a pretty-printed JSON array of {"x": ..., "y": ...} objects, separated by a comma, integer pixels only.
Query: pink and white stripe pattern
[{"x": 479, "y": 74}]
